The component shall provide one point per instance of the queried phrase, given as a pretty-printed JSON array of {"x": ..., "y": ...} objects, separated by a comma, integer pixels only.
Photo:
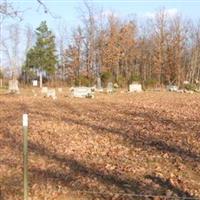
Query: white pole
[
  {"x": 25, "y": 154},
  {"x": 40, "y": 79}
]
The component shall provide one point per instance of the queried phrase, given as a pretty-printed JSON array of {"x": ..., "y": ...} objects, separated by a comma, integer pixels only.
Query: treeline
[
  {"x": 160, "y": 51},
  {"x": 166, "y": 50}
]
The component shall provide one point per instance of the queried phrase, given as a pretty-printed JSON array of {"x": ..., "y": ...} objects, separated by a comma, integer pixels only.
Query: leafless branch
[{"x": 46, "y": 9}]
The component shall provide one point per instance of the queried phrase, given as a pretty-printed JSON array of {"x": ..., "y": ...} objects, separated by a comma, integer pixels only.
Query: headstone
[
  {"x": 35, "y": 83},
  {"x": 135, "y": 87},
  {"x": 82, "y": 92},
  {"x": 13, "y": 86},
  {"x": 186, "y": 82},
  {"x": 116, "y": 85},
  {"x": 189, "y": 91},
  {"x": 99, "y": 83},
  {"x": 93, "y": 88},
  {"x": 44, "y": 90},
  {"x": 180, "y": 91},
  {"x": 51, "y": 93},
  {"x": 110, "y": 87},
  {"x": 172, "y": 88},
  {"x": 99, "y": 90},
  {"x": 98, "y": 87},
  {"x": 60, "y": 90},
  {"x": 34, "y": 93}
]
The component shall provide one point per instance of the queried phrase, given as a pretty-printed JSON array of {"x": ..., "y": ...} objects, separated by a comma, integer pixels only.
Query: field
[{"x": 119, "y": 146}]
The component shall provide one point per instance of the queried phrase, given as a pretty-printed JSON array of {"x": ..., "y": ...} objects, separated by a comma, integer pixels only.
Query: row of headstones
[
  {"x": 89, "y": 91},
  {"x": 76, "y": 91},
  {"x": 85, "y": 92}
]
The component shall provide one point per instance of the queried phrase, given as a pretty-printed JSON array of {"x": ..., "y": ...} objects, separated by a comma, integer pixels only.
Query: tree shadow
[
  {"x": 179, "y": 124},
  {"x": 131, "y": 188},
  {"x": 166, "y": 184},
  {"x": 138, "y": 140},
  {"x": 113, "y": 182}
]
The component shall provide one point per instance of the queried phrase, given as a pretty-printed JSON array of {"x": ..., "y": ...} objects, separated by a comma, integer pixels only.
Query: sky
[{"x": 67, "y": 11}]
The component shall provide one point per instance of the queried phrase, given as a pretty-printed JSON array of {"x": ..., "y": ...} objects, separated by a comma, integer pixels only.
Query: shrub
[
  {"x": 82, "y": 80},
  {"x": 1, "y": 74},
  {"x": 150, "y": 83},
  {"x": 192, "y": 87},
  {"x": 121, "y": 81},
  {"x": 135, "y": 78},
  {"x": 106, "y": 77}
]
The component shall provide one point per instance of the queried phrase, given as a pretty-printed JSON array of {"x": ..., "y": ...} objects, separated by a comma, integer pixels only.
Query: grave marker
[
  {"x": 172, "y": 88},
  {"x": 44, "y": 90},
  {"x": 35, "y": 83},
  {"x": 51, "y": 93},
  {"x": 60, "y": 90},
  {"x": 135, "y": 87},
  {"x": 82, "y": 92},
  {"x": 99, "y": 87},
  {"x": 13, "y": 86},
  {"x": 110, "y": 87},
  {"x": 99, "y": 83}
]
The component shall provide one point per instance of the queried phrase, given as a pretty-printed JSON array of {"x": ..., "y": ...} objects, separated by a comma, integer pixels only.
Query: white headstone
[
  {"x": 51, "y": 93},
  {"x": 172, "y": 88},
  {"x": 186, "y": 82},
  {"x": 116, "y": 85},
  {"x": 99, "y": 90},
  {"x": 135, "y": 87},
  {"x": 99, "y": 83},
  {"x": 44, "y": 90},
  {"x": 60, "y": 90},
  {"x": 81, "y": 92},
  {"x": 110, "y": 87},
  {"x": 35, "y": 83},
  {"x": 188, "y": 91},
  {"x": 13, "y": 86},
  {"x": 34, "y": 93}
]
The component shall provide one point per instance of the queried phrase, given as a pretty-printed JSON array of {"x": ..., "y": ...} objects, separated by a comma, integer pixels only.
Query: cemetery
[
  {"x": 81, "y": 138},
  {"x": 101, "y": 106}
]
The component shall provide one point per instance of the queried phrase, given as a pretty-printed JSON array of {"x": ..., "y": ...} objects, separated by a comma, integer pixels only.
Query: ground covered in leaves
[{"x": 119, "y": 146}]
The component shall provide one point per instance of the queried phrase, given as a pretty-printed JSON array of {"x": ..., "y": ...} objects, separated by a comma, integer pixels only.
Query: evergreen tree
[
  {"x": 1, "y": 74},
  {"x": 42, "y": 55}
]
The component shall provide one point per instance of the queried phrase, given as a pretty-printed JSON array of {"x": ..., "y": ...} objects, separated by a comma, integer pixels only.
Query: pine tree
[
  {"x": 42, "y": 55},
  {"x": 1, "y": 74}
]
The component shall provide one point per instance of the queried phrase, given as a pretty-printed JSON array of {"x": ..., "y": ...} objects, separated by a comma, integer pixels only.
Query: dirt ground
[{"x": 118, "y": 146}]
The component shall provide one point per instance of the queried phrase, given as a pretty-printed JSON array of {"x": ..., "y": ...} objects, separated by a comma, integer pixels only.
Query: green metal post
[{"x": 25, "y": 155}]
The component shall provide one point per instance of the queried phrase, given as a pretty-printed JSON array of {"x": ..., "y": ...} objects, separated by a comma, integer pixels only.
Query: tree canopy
[{"x": 42, "y": 55}]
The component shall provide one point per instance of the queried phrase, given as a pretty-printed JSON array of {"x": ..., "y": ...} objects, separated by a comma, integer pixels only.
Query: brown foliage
[{"x": 140, "y": 144}]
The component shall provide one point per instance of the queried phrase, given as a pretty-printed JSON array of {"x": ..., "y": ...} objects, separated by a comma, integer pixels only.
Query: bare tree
[
  {"x": 89, "y": 24},
  {"x": 160, "y": 39},
  {"x": 61, "y": 45},
  {"x": 11, "y": 47},
  {"x": 30, "y": 37},
  {"x": 73, "y": 56}
]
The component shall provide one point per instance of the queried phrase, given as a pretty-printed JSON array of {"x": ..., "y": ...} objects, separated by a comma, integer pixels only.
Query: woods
[
  {"x": 122, "y": 51},
  {"x": 157, "y": 51}
]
